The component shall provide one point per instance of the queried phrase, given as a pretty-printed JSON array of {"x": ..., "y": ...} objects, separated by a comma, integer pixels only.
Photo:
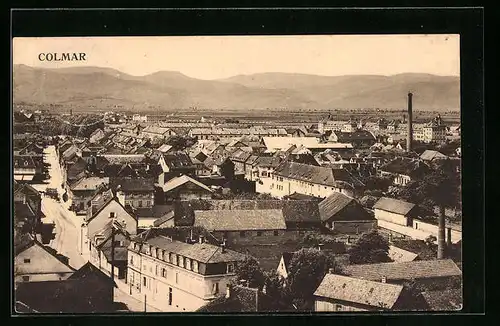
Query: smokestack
[
  {"x": 409, "y": 136},
  {"x": 441, "y": 234}
]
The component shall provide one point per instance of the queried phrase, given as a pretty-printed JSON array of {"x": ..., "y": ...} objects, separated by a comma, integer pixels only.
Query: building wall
[
  {"x": 323, "y": 304},
  {"x": 42, "y": 266},
  {"x": 146, "y": 222},
  {"x": 136, "y": 199},
  {"x": 254, "y": 236},
  {"x": 190, "y": 290},
  {"x": 353, "y": 226},
  {"x": 433, "y": 229},
  {"x": 100, "y": 221},
  {"x": 282, "y": 186},
  {"x": 390, "y": 217}
]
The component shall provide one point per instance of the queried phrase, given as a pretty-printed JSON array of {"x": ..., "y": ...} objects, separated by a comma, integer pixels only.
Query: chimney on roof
[
  {"x": 384, "y": 279},
  {"x": 228, "y": 291},
  {"x": 409, "y": 136},
  {"x": 201, "y": 239},
  {"x": 320, "y": 245},
  {"x": 331, "y": 271}
]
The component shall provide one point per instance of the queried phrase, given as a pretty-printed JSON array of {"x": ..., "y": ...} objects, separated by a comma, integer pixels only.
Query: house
[
  {"x": 164, "y": 149},
  {"x": 242, "y": 298},
  {"x": 239, "y": 158},
  {"x": 27, "y": 205},
  {"x": 345, "y": 214},
  {"x": 96, "y": 136},
  {"x": 100, "y": 244},
  {"x": 147, "y": 216},
  {"x": 444, "y": 300},
  {"x": 434, "y": 131},
  {"x": 431, "y": 274},
  {"x": 301, "y": 215},
  {"x": 83, "y": 190},
  {"x": 174, "y": 165},
  {"x": 394, "y": 211},
  {"x": 26, "y": 167},
  {"x": 136, "y": 192},
  {"x": 243, "y": 226},
  {"x": 186, "y": 188},
  {"x": 311, "y": 180},
  {"x": 104, "y": 207},
  {"x": 34, "y": 263},
  {"x": 358, "y": 138},
  {"x": 284, "y": 264},
  {"x": 87, "y": 290},
  {"x": 179, "y": 276},
  {"x": 430, "y": 155},
  {"x": 153, "y": 132},
  {"x": 337, "y": 293},
  {"x": 403, "y": 170}
]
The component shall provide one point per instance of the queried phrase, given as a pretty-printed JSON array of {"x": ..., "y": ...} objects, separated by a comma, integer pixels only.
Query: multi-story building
[
  {"x": 434, "y": 132},
  {"x": 179, "y": 276},
  {"x": 317, "y": 181}
]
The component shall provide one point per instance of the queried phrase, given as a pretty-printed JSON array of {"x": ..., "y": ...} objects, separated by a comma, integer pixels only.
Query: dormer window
[
  {"x": 195, "y": 266},
  {"x": 112, "y": 215},
  {"x": 153, "y": 253},
  {"x": 188, "y": 264},
  {"x": 181, "y": 261}
]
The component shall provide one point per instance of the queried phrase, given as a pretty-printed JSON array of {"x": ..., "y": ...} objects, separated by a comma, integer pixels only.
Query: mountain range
[{"x": 105, "y": 87}]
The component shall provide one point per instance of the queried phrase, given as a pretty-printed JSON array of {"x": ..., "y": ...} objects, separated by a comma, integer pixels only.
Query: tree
[
  {"x": 370, "y": 248},
  {"x": 250, "y": 271},
  {"x": 307, "y": 269},
  {"x": 440, "y": 187}
]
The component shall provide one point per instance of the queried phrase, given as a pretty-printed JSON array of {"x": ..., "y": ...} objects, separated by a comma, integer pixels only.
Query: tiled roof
[
  {"x": 405, "y": 166},
  {"x": 318, "y": 175},
  {"x": 375, "y": 294},
  {"x": 394, "y": 205},
  {"x": 164, "y": 148},
  {"x": 400, "y": 255},
  {"x": 156, "y": 211},
  {"x": 301, "y": 211},
  {"x": 444, "y": 300},
  {"x": 89, "y": 183},
  {"x": 368, "y": 201},
  {"x": 405, "y": 271},
  {"x": 429, "y": 155},
  {"x": 268, "y": 162},
  {"x": 178, "y": 160},
  {"x": 164, "y": 218},
  {"x": 202, "y": 252},
  {"x": 124, "y": 158},
  {"x": 120, "y": 254},
  {"x": 133, "y": 184},
  {"x": 183, "y": 179},
  {"x": 240, "y": 220},
  {"x": 340, "y": 207},
  {"x": 347, "y": 137}
]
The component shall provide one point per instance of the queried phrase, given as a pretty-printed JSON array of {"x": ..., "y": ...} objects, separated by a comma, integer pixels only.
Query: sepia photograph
[{"x": 237, "y": 174}]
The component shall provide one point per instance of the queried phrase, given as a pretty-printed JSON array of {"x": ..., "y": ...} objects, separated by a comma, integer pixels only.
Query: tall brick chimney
[{"x": 409, "y": 136}]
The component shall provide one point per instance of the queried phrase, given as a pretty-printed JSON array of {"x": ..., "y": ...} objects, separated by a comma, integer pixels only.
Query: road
[
  {"x": 70, "y": 237},
  {"x": 67, "y": 224}
]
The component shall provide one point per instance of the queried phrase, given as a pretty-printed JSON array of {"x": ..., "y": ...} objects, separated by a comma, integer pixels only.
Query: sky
[{"x": 216, "y": 57}]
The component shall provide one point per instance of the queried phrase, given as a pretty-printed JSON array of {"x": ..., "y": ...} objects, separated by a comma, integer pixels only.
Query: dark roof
[
  {"x": 133, "y": 184},
  {"x": 358, "y": 135},
  {"x": 299, "y": 196},
  {"x": 394, "y": 205},
  {"x": 178, "y": 160},
  {"x": 23, "y": 210},
  {"x": 349, "y": 289},
  {"x": 368, "y": 201},
  {"x": 287, "y": 258},
  {"x": 164, "y": 219},
  {"x": 340, "y": 207},
  {"x": 120, "y": 254},
  {"x": 301, "y": 211},
  {"x": 318, "y": 175},
  {"x": 90, "y": 271},
  {"x": 405, "y": 270},
  {"x": 156, "y": 211},
  {"x": 22, "y": 242},
  {"x": 405, "y": 166},
  {"x": 74, "y": 170},
  {"x": 444, "y": 300},
  {"x": 242, "y": 299},
  {"x": 268, "y": 161},
  {"x": 202, "y": 252},
  {"x": 418, "y": 247}
]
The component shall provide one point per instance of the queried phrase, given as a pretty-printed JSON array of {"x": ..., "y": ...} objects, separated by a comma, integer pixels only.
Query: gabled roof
[
  {"x": 166, "y": 217},
  {"x": 405, "y": 166},
  {"x": 183, "y": 179},
  {"x": 429, "y": 155},
  {"x": 419, "y": 269},
  {"x": 177, "y": 160},
  {"x": 164, "y": 148},
  {"x": 240, "y": 220},
  {"x": 340, "y": 207},
  {"x": 400, "y": 255},
  {"x": 89, "y": 183},
  {"x": 394, "y": 205},
  {"x": 133, "y": 184},
  {"x": 375, "y": 294},
  {"x": 90, "y": 271},
  {"x": 44, "y": 266},
  {"x": 202, "y": 252},
  {"x": 300, "y": 211},
  {"x": 156, "y": 211}
]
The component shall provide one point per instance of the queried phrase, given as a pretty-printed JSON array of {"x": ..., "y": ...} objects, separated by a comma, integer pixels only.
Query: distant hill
[{"x": 105, "y": 87}]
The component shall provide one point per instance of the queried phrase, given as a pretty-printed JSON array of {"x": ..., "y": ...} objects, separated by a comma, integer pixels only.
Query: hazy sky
[{"x": 212, "y": 57}]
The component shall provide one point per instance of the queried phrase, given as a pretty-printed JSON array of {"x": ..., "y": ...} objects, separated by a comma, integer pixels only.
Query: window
[
  {"x": 144, "y": 281},
  {"x": 112, "y": 215},
  {"x": 338, "y": 307},
  {"x": 140, "y": 203},
  {"x": 27, "y": 260},
  {"x": 131, "y": 260},
  {"x": 164, "y": 272},
  {"x": 156, "y": 270},
  {"x": 117, "y": 243},
  {"x": 259, "y": 233},
  {"x": 215, "y": 288},
  {"x": 230, "y": 268},
  {"x": 242, "y": 234},
  {"x": 26, "y": 278},
  {"x": 275, "y": 233}
]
